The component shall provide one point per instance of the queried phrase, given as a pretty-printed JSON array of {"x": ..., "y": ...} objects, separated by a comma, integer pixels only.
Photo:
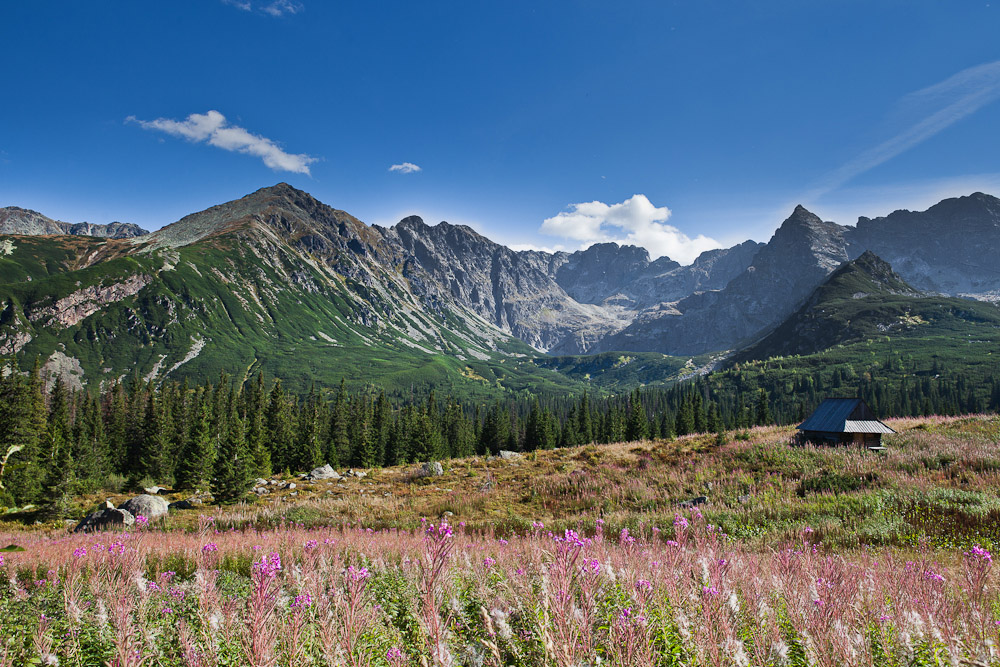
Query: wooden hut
[{"x": 843, "y": 421}]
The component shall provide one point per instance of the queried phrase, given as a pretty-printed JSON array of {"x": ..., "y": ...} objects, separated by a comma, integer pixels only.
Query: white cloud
[
  {"x": 274, "y": 8},
  {"x": 633, "y": 222},
  {"x": 281, "y": 7},
  {"x": 938, "y": 107},
  {"x": 213, "y": 128},
  {"x": 405, "y": 168}
]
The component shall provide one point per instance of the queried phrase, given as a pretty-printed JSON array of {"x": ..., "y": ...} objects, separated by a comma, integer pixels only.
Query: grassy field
[{"x": 798, "y": 556}]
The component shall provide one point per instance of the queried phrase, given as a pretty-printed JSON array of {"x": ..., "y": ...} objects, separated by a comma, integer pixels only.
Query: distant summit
[{"x": 16, "y": 220}]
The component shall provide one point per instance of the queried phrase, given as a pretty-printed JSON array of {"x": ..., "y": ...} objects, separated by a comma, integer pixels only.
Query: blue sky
[{"x": 677, "y": 125}]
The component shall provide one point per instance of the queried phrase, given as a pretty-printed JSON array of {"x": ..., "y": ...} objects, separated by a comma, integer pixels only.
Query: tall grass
[{"x": 678, "y": 594}]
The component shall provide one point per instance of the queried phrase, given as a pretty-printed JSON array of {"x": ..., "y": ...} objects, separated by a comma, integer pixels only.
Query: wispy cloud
[
  {"x": 405, "y": 168},
  {"x": 937, "y": 107},
  {"x": 274, "y": 8},
  {"x": 214, "y": 129},
  {"x": 633, "y": 222}
]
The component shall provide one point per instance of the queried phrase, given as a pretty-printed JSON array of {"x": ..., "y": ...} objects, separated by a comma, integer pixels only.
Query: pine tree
[
  {"x": 338, "y": 447},
  {"x": 635, "y": 427},
  {"x": 585, "y": 428},
  {"x": 763, "y": 409},
  {"x": 197, "y": 459},
  {"x": 232, "y": 472},
  {"x": 279, "y": 428}
]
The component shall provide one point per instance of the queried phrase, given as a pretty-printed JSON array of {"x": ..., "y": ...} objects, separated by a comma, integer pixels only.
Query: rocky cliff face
[
  {"x": 14, "y": 220},
  {"x": 800, "y": 255},
  {"x": 514, "y": 291},
  {"x": 951, "y": 248}
]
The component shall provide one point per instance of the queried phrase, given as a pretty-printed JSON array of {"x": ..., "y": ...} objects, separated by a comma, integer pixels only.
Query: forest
[{"x": 222, "y": 435}]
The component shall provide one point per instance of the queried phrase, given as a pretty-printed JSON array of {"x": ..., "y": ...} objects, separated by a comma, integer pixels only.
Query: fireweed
[{"x": 684, "y": 594}]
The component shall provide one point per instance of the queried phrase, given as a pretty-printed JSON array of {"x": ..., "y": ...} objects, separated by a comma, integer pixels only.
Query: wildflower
[
  {"x": 141, "y": 521},
  {"x": 168, "y": 576},
  {"x": 680, "y": 522},
  {"x": 311, "y": 544},
  {"x": 442, "y": 531},
  {"x": 592, "y": 566},
  {"x": 625, "y": 538},
  {"x": 643, "y": 585},
  {"x": 709, "y": 590},
  {"x": 167, "y": 610},
  {"x": 538, "y": 525},
  {"x": 79, "y": 552},
  {"x": 268, "y": 566},
  {"x": 502, "y": 542},
  {"x": 1, "y": 560},
  {"x": 358, "y": 575},
  {"x": 980, "y": 554},
  {"x": 519, "y": 571},
  {"x": 209, "y": 548},
  {"x": 393, "y": 654},
  {"x": 488, "y": 563},
  {"x": 303, "y": 601},
  {"x": 818, "y": 602}
]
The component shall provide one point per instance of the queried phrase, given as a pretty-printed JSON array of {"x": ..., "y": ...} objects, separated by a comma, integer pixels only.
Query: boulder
[
  {"x": 699, "y": 500},
  {"x": 186, "y": 504},
  {"x": 323, "y": 472},
  {"x": 260, "y": 491},
  {"x": 106, "y": 518},
  {"x": 290, "y": 485},
  {"x": 432, "y": 469},
  {"x": 507, "y": 454},
  {"x": 146, "y": 505},
  {"x": 155, "y": 490}
]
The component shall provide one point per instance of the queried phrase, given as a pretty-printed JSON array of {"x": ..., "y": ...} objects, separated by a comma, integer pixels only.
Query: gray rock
[
  {"x": 323, "y": 472},
  {"x": 106, "y": 518},
  {"x": 187, "y": 504},
  {"x": 431, "y": 469},
  {"x": 360, "y": 474},
  {"x": 507, "y": 454},
  {"x": 260, "y": 481},
  {"x": 146, "y": 505},
  {"x": 155, "y": 490},
  {"x": 698, "y": 500},
  {"x": 743, "y": 500},
  {"x": 260, "y": 491},
  {"x": 290, "y": 485}
]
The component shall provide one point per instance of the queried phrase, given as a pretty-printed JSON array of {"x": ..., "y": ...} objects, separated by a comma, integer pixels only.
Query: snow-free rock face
[
  {"x": 146, "y": 505},
  {"x": 16, "y": 220},
  {"x": 800, "y": 255},
  {"x": 951, "y": 248}
]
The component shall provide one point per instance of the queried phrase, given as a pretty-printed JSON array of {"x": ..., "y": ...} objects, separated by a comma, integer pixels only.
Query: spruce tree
[
  {"x": 197, "y": 459},
  {"x": 635, "y": 427},
  {"x": 279, "y": 427},
  {"x": 338, "y": 447},
  {"x": 232, "y": 472}
]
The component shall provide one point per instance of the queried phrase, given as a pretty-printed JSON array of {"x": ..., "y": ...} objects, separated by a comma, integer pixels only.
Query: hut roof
[{"x": 844, "y": 415}]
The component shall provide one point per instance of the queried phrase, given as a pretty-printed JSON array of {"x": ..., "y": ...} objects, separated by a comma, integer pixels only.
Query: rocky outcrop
[
  {"x": 15, "y": 220},
  {"x": 83, "y": 303}
]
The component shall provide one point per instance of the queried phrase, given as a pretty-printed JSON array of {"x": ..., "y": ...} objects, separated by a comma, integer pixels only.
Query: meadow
[{"x": 583, "y": 556}]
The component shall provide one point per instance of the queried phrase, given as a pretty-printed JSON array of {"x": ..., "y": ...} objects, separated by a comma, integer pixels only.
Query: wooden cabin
[{"x": 843, "y": 421}]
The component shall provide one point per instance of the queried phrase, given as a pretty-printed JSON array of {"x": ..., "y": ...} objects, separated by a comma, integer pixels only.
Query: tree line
[{"x": 221, "y": 435}]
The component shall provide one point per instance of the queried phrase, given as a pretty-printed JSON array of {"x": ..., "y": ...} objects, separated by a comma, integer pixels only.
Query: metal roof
[{"x": 844, "y": 415}]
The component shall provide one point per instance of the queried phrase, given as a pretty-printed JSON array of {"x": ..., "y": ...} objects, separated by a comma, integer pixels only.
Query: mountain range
[{"x": 280, "y": 282}]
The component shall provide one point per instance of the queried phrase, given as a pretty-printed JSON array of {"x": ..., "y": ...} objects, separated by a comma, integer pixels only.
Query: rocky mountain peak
[{"x": 17, "y": 220}]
